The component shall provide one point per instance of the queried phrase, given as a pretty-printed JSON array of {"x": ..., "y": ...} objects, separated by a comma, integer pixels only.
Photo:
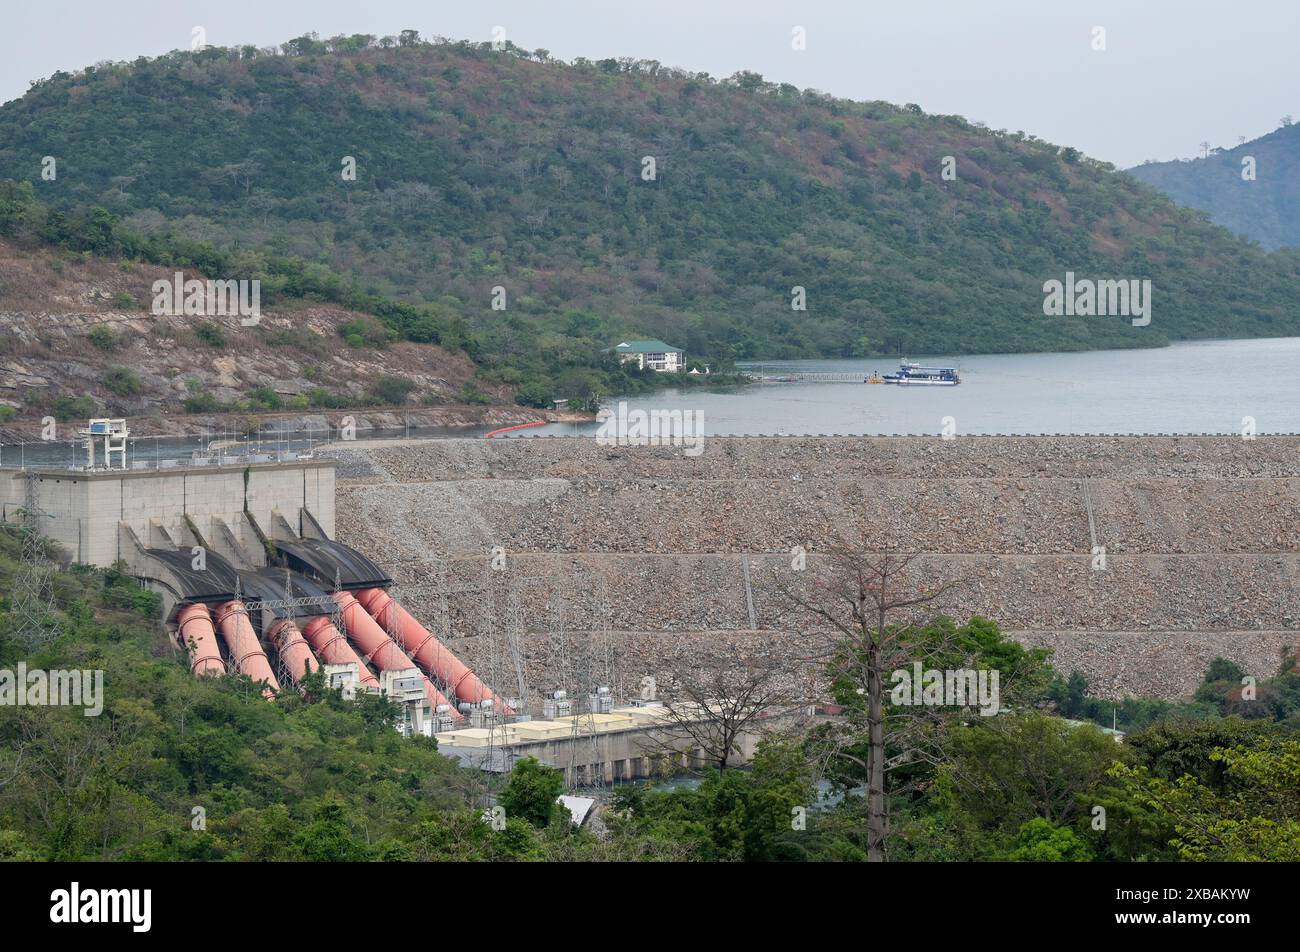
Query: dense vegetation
[
  {"x": 1265, "y": 206},
  {"x": 478, "y": 169},
  {"x": 575, "y": 368},
  {"x": 177, "y": 768}
]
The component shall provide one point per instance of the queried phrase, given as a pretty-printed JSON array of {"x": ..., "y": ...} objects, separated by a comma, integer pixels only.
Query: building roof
[
  {"x": 274, "y": 584},
  {"x": 217, "y": 581},
  {"x": 579, "y": 807},
  {"x": 327, "y": 560},
  {"x": 645, "y": 347}
]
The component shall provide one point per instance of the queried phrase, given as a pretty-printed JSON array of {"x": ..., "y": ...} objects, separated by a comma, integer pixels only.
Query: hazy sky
[{"x": 1174, "y": 72}]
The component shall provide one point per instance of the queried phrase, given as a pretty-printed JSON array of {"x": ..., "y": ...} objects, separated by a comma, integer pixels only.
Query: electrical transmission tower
[
  {"x": 32, "y": 602},
  {"x": 515, "y": 637}
]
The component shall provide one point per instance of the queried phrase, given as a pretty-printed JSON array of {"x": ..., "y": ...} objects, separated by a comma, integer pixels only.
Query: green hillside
[
  {"x": 1265, "y": 207},
  {"x": 477, "y": 168},
  {"x": 177, "y": 768}
]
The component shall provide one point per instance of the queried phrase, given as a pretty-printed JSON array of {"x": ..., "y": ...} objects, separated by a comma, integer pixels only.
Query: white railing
[{"x": 166, "y": 452}]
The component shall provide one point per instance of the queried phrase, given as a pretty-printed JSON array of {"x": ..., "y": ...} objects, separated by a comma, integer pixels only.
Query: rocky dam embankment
[{"x": 632, "y": 562}]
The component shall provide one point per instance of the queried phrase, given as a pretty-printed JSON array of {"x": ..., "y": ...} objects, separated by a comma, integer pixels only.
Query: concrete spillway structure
[
  {"x": 381, "y": 651},
  {"x": 223, "y": 500},
  {"x": 428, "y": 651}
]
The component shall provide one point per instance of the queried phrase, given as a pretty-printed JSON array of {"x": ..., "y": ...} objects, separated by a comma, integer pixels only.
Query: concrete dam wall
[
  {"x": 1200, "y": 534},
  {"x": 84, "y": 510}
]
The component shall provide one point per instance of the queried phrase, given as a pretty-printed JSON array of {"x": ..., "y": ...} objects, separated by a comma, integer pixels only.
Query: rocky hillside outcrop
[{"x": 79, "y": 336}]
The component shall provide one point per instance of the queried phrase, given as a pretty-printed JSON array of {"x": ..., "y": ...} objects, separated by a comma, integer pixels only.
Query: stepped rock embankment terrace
[{"x": 680, "y": 557}]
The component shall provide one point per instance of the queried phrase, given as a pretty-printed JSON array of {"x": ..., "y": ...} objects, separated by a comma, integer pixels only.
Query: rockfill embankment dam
[{"x": 1202, "y": 552}]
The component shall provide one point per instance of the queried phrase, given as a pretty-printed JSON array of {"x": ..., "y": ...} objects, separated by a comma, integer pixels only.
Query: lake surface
[{"x": 1202, "y": 387}]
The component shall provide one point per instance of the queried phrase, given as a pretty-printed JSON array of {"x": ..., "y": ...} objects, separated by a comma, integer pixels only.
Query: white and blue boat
[{"x": 914, "y": 375}]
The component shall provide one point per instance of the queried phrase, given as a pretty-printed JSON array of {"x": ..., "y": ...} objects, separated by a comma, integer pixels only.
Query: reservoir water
[{"x": 1201, "y": 387}]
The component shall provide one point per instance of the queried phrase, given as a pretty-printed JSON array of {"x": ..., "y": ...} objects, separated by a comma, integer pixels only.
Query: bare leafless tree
[
  {"x": 711, "y": 704},
  {"x": 858, "y": 598}
]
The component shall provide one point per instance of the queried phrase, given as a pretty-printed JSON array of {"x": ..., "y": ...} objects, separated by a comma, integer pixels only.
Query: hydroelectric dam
[
  {"x": 240, "y": 546},
  {"x": 549, "y": 596}
]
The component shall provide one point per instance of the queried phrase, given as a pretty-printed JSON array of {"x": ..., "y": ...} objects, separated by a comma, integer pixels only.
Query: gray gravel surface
[{"x": 1203, "y": 553}]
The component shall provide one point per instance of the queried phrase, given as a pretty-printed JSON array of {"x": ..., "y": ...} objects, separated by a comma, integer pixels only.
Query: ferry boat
[{"x": 914, "y": 375}]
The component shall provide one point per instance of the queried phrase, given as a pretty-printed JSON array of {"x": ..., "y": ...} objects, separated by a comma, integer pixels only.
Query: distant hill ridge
[
  {"x": 622, "y": 199},
  {"x": 1263, "y": 203}
]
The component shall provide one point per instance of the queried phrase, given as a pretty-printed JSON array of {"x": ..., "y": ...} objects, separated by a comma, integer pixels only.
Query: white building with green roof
[{"x": 654, "y": 354}]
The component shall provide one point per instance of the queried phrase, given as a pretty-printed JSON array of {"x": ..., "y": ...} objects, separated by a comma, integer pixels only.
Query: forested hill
[
  {"x": 478, "y": 168},
  {"x": 1265, "y": 207}
]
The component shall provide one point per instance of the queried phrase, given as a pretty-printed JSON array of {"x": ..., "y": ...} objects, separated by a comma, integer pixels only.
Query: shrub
[
  {"x": 212, "y": 334},
  {"x": 532, "y": 791},
  {"x": 64, "y": 409},
  {"x": 366, "y": 331},
  {"x": 122, "y": 381},
  {"x": 535, "y": 393},
  {"x": 472, "y": 394},
  {"x": 425, "y": 330},
  {"x": 306, "y": 341},
  {"x": 103, "y": 338},
  {"x": 321, "y": 398},
  {"x": 264, "y": 398},
  {"x": 200, "y": 400},
  {"x": 390, "y": 389}
]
